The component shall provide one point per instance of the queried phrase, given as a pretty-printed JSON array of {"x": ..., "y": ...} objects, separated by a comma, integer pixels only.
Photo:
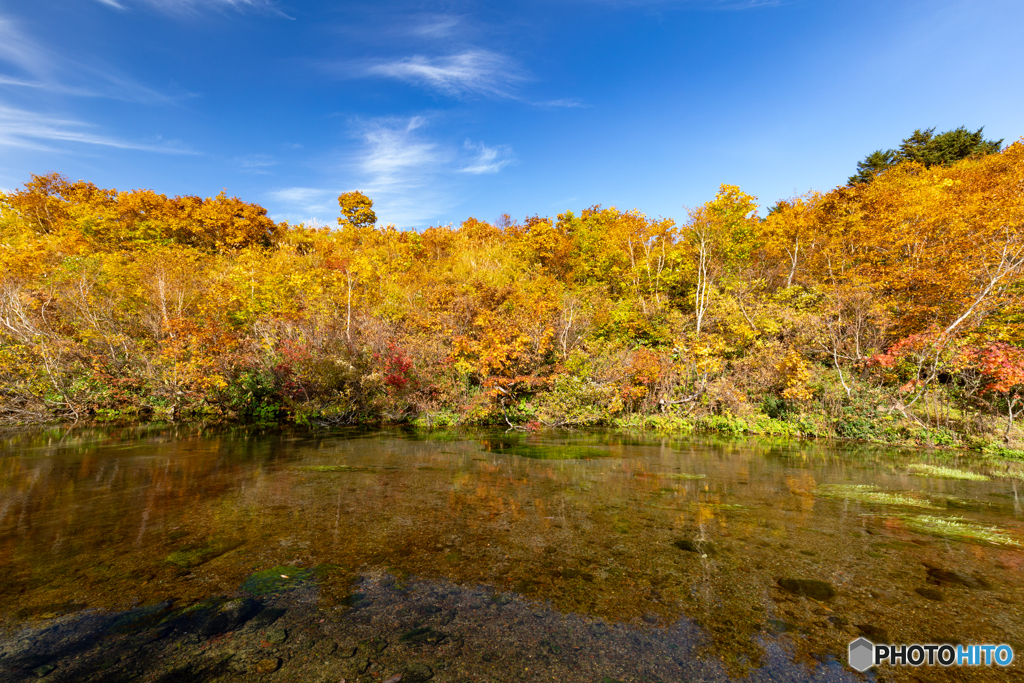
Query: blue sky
[{"x": 444, "y": 110}]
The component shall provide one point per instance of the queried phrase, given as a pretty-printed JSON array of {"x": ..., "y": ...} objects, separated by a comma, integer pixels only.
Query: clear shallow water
[{"x": 687, "y": 536}]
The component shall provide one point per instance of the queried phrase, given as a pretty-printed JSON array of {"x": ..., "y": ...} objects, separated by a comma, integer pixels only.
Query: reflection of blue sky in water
[{"x": 109, "y": 521}]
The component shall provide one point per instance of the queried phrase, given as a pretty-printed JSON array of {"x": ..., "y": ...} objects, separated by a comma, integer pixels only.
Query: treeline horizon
[{"x": 886, "y": 309}]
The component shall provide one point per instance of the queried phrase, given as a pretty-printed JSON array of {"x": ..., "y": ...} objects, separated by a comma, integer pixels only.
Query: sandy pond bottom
[{"x": 173, "y": 554}]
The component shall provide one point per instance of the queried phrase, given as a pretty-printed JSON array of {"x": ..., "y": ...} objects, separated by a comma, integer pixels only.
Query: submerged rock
[
  {"x": 267, "y": 617},
  {"x": 44, "y": 670},
  {"x": 574, "y": 574},
  {"x": 422, "y": 636},
  {"x": 931, "y": 593},
  {"x": 874, "y": 633},
  {"x": 268, "y": 665},
  {"x": 810, "y": 588},
  {"x": 230, "y": 616},
  {"x": 780, "y": 626},
  {"x": 374, "y": 645},
  {"x": 324, "y": 647},
  {"x": 358, "y": 600},
  {"x": 208, "y": 617},
  {"x": 140, "y": 618},
  {"x": 417, "y": 673},
  {"x": 699, "y": 547},
  {"x": 950, "y": 577}
]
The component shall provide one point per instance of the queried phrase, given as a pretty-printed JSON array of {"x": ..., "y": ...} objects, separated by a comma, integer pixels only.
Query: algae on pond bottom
[
  {"x": 873, "y": 495},
  {"x": 923, "y": 470},
  {"x": 277, "y": 580},
  {"x": 193, "y": 556},
  {"x": 959, "y": 529},
  {"x": 604, "y": 538},
  {"x": 330, "y": 468},
  {"x": 546, "y": 452}
]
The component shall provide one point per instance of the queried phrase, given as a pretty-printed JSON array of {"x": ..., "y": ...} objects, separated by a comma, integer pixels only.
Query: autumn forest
[{"x": 886, "y": 309}]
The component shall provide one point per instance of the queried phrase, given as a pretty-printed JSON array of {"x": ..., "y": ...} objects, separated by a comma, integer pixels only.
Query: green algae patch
[
  {"x": 959, "y": 529},
  {"x": 278, "y": 580},
  {"x": 327, "y": 569},
  {"x": 683, "y": 476},
  {"x": 724, "y": 507},
  {"x": 963, "y": 503},
  {"x": 425, "y": 433},
  {"x": 330, "y": 468},
  {"x": 922, "y": 470},
  {"x": 558, "y": 452},
  {"x": 547, "y": 452},
  {"x": 193, "y": 556},
  {"x": 872, "y": 495}
]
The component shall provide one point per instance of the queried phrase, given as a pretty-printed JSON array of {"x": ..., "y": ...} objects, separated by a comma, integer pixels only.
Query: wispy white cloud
[
  {"x": 395, "y": 154},
  {"x": 51, "y": 72},
  {"x": 19, "y": 50},
  {"x": 42, "y": 85},
  {"x": 401, "y": 168},
  {"x": 471, "y": 72},
  {"x": 410, "y": 175},
  {"x": 194, "y": 6},
  {"x": 435, "y": 26},
  {"x": 394, "y": 160},
  {"x": 26, "y": 129},
  {"x": 298, "y": 195},
  {"x": 488, "y": 159},
  {"x": 739, "y": 4},
  {"x": 255, "y": 163},
  {"x": 695, "y": 4},
  {"x": 105, "y": 85},
  {"x": 567, "y": 103},
  {"x": 479, "y": 72},
  {"x": 306, "y": 204}
]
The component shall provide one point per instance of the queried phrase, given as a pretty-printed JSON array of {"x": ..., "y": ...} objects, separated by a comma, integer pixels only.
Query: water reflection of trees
[{"x": 96, "y": 520}]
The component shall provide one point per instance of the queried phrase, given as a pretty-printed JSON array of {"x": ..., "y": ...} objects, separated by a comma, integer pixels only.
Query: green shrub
[
  {"x": 856, "y": 425},
  {"x": 575, "y": 402},
  {"x": 775, "y": 407},
  {"x": 254, "y": 397}
]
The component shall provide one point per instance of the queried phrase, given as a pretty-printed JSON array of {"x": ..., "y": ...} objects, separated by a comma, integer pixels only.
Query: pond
[{"x": 182, "y": 553}]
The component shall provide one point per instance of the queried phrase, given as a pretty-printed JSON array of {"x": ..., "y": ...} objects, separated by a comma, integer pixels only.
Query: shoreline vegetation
[{"x": 889, "y": 310}]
